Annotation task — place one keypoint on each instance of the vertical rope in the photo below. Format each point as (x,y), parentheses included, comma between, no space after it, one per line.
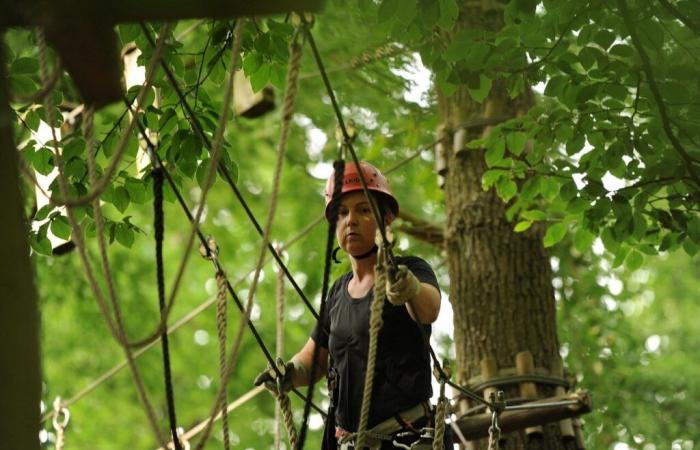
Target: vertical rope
(158,226)
(287,112)
(116,327)
(279,345)
(376,321)
(286,410)
(221,323)
(440,414)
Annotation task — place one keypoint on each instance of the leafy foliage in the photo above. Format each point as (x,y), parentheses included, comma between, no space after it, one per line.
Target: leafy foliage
(593,159)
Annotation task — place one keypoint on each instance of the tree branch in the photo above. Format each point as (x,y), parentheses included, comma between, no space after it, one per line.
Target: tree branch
(421,229)
(646,66)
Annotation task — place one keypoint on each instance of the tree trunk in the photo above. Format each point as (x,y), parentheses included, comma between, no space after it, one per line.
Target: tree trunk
(20,382)
(501,281)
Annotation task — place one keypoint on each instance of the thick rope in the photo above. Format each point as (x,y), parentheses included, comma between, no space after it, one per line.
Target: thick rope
(376,321)
(440,415)
(103,182)
(80,243)
(158,227)
(279,344)
(286,410)
(221,323)
(288,109)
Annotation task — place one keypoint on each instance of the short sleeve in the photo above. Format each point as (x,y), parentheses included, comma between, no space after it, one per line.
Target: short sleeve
(322,330)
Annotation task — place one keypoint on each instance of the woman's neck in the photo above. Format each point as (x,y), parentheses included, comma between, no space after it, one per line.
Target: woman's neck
(363,268)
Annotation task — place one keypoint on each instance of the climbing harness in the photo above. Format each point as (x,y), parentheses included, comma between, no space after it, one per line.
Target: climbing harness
(61,417)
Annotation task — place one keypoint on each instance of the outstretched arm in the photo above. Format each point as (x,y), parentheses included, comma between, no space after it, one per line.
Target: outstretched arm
(303,362)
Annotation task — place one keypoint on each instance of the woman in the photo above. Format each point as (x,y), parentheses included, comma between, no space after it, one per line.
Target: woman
(402,380)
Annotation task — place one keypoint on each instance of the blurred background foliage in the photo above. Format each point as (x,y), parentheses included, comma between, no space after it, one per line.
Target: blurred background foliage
(627,332)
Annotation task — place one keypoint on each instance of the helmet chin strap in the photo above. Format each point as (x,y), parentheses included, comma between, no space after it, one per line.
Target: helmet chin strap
(367,254)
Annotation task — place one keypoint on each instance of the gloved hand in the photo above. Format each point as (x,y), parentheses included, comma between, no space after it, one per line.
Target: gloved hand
(272,382)
(403,288)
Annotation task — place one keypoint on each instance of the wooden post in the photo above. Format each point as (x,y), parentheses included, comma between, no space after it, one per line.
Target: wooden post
(489,370)
(20,388)
(566,426)
(578,434)
(525,365)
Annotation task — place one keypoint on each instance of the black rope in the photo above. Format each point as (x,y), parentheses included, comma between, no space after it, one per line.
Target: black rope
(196,125)
(156,161)
(339,168)
(158,220)
(377,215)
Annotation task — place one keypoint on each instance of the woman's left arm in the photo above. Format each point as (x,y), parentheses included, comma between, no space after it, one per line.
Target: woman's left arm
(425,307)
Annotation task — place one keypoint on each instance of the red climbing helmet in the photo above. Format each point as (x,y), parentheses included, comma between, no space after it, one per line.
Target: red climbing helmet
(376,182)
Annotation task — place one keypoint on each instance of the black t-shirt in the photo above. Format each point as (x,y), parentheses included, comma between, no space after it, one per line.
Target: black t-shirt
(402,368)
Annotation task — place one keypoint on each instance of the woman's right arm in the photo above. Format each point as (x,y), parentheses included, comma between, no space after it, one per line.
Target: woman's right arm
(303,362)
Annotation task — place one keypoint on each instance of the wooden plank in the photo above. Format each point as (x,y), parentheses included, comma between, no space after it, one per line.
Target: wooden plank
(525,365)
(32,12)
(476,427)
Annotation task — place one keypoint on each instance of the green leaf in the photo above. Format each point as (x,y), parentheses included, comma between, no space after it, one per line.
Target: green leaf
(136,189)
(252,62)
(693,229)
(490,177)
(522,226)
(550,188)
(690,247)
(33,120)
(534,214)
(448,14)
(278,74)
(516,142)
(24,66)
(124,235)
(120,198)
(555,86)
(495,151)
(74,148)
(22,85)
(167,122)
(480,92)
(60,227)
(583,239)
(43,161)
(604,38)
(634,260)
(43,212)
(387,10)
(259,79)
(40,243)
(506,189)
(554,234)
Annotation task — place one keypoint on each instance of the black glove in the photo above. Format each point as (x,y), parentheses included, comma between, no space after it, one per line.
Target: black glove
(274,383)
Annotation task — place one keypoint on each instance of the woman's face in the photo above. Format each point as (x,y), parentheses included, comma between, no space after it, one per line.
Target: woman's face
(356,227)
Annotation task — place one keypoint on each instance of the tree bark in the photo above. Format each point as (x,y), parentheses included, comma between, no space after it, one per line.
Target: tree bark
(501,281)
(20,385)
